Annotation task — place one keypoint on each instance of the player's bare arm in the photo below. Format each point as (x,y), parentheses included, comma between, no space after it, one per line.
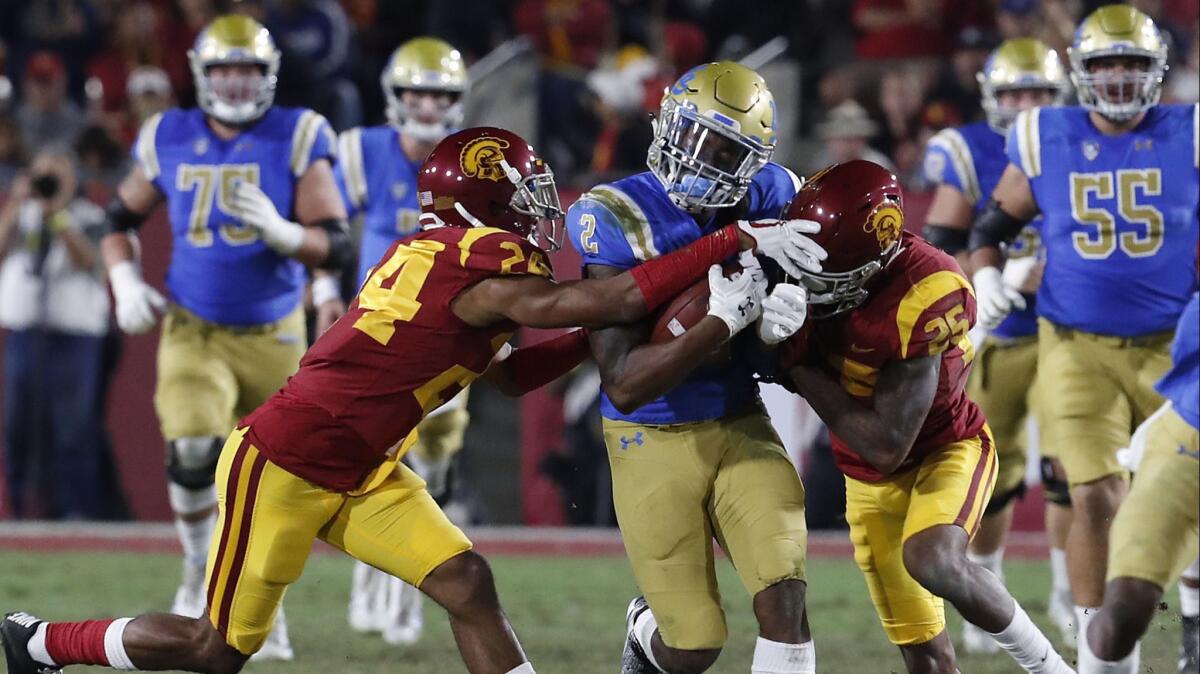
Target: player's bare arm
(635,371)
(883,432)
(1012,206)
(136,198)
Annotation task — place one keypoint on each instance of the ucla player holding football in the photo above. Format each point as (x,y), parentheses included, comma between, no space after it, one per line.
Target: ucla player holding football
(694,456)
(424,84)
(1155,533)
(966,164)
(234,329)
(1117,186)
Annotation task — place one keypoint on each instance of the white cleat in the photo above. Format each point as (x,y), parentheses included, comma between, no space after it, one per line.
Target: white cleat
(975,640)
(403,619)
(190,601)
(1061,612)
(277,646)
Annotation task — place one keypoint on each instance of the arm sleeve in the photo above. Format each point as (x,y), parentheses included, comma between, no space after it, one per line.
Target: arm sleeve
(349,173)
(948,161)
(599,236)
(145,149)
(935,315)
(1023,144)
(312,139)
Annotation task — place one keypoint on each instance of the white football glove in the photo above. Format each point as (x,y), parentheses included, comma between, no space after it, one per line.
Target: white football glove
(783,313)
(256,210)
(138,304)
(1018,270)
(786,242)
(995,298)
(736,301)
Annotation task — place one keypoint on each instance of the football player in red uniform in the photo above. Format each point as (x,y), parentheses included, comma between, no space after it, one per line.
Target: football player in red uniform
(320,460)
(884,362)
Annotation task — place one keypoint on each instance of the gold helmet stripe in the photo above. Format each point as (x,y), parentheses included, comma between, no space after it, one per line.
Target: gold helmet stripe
(1029,145)
(633,221)
(147,148)
(350,158)
(953,143)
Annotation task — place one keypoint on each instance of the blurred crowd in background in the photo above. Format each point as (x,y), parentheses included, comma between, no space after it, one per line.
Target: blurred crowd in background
(874,79)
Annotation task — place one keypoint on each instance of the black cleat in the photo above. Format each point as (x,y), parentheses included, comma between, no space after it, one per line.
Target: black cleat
(1189,650)
(15,631)
(633,658)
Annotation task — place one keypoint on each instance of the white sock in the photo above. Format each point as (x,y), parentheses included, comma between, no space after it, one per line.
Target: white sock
(114,646)
(1028,646)
(1083,618)
(194,536)
(37,646)
(1059,581)
(1189,597)
(643,631)
(992,561)
(773,657)
(1090,664)
(523,668)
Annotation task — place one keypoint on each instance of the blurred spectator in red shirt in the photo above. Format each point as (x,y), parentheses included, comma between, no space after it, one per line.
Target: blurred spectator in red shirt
(141,36)
(46,116)
(899,29)
(69,28)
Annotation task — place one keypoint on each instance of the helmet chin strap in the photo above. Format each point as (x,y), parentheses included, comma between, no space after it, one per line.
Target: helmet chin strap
(475,222)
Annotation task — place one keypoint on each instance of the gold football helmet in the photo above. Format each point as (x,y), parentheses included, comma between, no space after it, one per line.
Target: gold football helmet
(714,131)
(1118,30)
(234,39)
(1023,63)
(425,64)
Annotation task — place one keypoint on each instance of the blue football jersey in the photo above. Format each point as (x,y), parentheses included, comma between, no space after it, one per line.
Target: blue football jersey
(971,159)
(1181,384)
(627,222)
(1119,216)
(219,268)
(378,181)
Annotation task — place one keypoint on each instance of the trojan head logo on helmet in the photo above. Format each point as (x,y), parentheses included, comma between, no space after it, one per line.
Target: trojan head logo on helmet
(490,177)
(860,207)
(230,94)
(1118,88)
(1019,65)
(425,65)
(714,131)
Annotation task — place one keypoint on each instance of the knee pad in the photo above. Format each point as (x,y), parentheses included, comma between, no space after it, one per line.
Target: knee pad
(1000,501)
(192,462)
(1054,481)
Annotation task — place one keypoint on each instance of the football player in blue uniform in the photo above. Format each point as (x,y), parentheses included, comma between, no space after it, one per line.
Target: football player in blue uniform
(1154,535)
(693,455)
(1116,182)
(424,84)
(965,163)
(234,327)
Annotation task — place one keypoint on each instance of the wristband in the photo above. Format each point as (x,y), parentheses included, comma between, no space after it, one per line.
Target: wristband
(664,277)
(535,366)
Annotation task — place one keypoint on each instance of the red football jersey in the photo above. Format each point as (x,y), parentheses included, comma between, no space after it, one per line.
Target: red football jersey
(920,304)
(398,354)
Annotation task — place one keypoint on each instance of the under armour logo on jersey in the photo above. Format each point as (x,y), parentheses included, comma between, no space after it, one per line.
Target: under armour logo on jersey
(1091,149)
(242,146)
(635,440)
(1143,144)
(200,146)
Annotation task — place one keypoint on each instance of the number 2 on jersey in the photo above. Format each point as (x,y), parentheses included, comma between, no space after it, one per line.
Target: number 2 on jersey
(383,306)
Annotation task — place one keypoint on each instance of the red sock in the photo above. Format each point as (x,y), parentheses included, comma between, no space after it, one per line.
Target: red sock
(79,643)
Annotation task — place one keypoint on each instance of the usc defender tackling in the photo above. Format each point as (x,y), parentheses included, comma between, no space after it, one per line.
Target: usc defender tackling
(320,460)
(884,362)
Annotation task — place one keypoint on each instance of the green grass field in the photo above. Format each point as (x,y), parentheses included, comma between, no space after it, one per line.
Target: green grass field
(568,611)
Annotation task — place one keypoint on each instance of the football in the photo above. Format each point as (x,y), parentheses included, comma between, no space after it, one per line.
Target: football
(686,310)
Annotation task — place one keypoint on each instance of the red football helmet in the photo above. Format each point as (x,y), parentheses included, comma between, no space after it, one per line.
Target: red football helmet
(860,207)
(490,177)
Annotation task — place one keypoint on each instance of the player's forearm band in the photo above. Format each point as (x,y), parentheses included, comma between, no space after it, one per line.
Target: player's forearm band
(953,240)
(535,366)
(665,277)
(994,227)
(341,246)
(119,218)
